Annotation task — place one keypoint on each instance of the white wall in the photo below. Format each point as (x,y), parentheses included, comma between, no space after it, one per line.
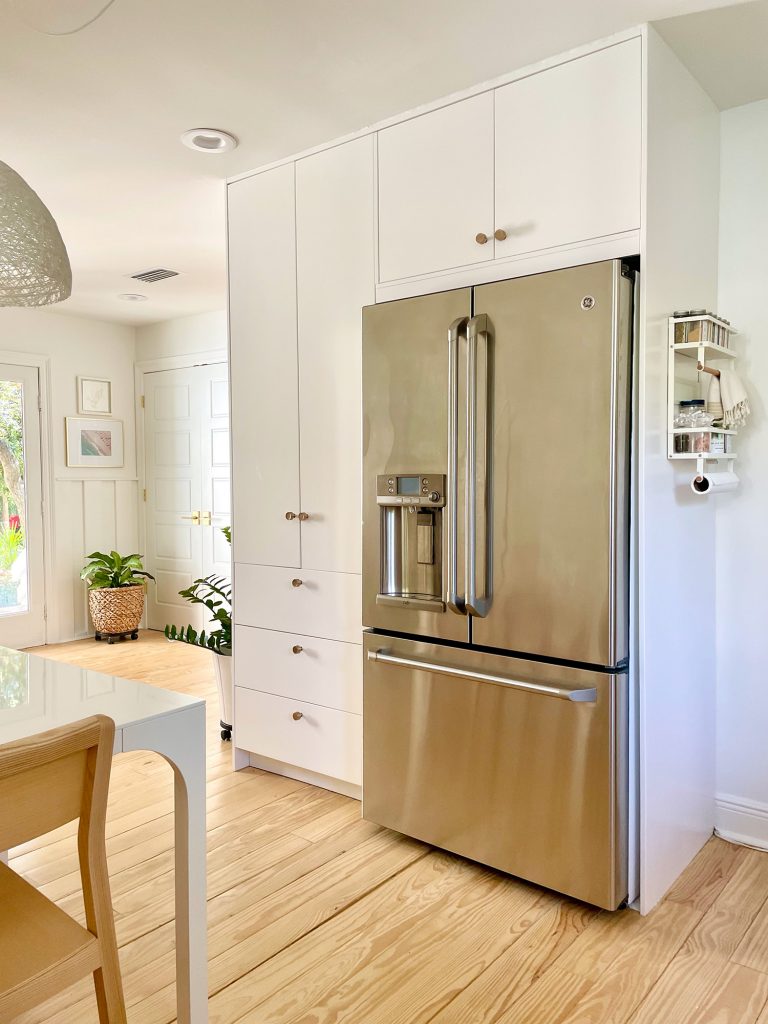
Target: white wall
(205,332)
(742,543)
(91,508)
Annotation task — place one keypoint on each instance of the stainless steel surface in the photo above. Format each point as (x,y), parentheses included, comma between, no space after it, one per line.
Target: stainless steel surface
(479,589)
(405,428)
(560,401)
(455,597)
(588,695)
(512,778)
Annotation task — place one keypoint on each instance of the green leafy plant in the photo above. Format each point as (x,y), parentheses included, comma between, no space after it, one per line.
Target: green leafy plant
(11,545)
(113,570)
(215,594)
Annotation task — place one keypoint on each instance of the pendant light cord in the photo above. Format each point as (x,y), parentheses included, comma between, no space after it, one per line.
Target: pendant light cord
(71,31)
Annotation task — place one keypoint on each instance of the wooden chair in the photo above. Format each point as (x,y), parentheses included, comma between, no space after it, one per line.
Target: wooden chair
(46,781)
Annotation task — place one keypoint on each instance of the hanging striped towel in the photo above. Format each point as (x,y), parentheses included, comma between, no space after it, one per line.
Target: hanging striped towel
(734,398)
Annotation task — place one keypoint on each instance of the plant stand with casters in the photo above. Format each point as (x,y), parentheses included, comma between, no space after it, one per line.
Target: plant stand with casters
(111,638)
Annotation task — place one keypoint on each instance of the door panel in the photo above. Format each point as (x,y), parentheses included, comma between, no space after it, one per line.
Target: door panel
(526,782)
(263,365)
(405,430)
(22,579)
(568,152)
(436,190)
(559,463)
(335,247)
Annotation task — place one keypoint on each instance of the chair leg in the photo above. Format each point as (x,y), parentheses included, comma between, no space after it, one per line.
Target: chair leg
(109,995)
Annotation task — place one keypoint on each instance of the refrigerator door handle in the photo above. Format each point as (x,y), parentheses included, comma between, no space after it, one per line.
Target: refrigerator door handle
(454,599)
(478,466)
(582,696)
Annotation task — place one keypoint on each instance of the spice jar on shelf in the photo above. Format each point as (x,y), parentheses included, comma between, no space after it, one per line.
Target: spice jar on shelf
(683,419)
(681,330)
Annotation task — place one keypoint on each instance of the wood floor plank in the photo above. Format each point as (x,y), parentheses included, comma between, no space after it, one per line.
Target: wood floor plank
(707,875)
(737,998)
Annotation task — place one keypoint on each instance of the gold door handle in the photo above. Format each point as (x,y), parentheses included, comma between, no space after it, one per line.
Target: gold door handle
(500,234)
(481,238)
(303,516)
(290,515)
(297,648)
(206,518)
(297,716)
(195,517)
(296,583)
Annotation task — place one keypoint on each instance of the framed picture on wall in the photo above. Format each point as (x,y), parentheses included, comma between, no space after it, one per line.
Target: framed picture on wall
(94,396)
(94,443)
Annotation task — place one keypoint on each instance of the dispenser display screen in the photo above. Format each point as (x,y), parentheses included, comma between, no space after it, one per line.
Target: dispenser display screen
(408,485)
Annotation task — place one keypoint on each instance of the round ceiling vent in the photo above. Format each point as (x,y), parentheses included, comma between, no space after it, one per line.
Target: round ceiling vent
(209,140)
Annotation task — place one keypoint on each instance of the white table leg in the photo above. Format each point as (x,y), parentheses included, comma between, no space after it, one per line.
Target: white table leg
(180,738)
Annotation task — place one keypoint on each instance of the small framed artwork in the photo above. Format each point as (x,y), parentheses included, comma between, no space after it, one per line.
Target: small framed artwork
(94,443)
(94,396)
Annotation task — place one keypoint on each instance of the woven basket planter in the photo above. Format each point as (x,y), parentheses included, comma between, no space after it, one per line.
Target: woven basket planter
(116,609)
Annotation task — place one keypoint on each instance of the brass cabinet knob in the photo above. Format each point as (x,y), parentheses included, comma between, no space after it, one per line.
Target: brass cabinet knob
(303,516)
(481,238)
(297,648)
(296,583)
(499,234)
(297,715)
(290,515)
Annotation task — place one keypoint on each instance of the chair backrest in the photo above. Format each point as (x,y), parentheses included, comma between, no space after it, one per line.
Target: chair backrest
(54,777)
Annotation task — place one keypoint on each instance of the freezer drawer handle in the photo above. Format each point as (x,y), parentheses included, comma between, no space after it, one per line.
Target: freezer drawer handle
(587,696)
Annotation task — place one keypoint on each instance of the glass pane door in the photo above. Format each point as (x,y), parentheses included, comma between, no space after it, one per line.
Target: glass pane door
(22,620)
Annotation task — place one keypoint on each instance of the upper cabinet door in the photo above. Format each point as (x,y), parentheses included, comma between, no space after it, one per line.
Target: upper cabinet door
(568,152)
(335,254)
(263,368)
(436,190)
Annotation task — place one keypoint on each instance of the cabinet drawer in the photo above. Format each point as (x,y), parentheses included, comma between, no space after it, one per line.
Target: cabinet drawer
(327,672)
(324,604)
(322,740)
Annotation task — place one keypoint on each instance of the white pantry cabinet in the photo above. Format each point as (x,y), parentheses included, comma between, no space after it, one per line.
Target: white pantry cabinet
(551,160)
(568,152)
(436,190)
(263,367)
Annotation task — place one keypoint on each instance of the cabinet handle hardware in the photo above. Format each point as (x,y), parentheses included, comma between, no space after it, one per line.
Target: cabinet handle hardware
(297,715)
(297,648)
(481,238)
(500,234)
(296,583)
(303,516)
(290,515)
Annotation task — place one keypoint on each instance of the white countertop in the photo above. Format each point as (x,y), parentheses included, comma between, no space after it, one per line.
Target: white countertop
(37,694)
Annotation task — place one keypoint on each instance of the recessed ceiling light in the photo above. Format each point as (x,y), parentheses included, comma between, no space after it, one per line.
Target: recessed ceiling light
(132,297)
(209,140)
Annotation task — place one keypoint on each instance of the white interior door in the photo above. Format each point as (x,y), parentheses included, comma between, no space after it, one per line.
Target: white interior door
(186,438)
(22,579)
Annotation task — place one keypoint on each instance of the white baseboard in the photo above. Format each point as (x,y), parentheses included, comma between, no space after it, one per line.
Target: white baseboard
(742,821)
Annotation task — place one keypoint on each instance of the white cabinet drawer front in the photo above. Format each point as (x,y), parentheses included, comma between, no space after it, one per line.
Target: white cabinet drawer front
(323,604)
(327,672)
(306,735)
(436,190)
(568,152)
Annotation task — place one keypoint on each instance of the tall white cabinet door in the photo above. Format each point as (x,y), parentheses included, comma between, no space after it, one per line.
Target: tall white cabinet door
(436,190)
(263,368)
(568,152)
(335,247)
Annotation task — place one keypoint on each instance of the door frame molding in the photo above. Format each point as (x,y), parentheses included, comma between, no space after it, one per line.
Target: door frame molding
(42,364)
(180,362)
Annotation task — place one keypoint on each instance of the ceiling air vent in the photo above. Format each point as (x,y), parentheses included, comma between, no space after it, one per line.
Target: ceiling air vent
(151,276)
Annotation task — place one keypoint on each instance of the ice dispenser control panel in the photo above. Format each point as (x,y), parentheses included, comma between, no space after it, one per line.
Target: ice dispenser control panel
(426,490)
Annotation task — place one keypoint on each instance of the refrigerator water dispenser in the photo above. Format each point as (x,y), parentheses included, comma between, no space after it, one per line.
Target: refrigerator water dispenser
(411,540)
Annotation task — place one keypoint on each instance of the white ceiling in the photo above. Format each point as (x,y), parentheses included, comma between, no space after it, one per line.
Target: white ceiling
(93,120)
(726,50)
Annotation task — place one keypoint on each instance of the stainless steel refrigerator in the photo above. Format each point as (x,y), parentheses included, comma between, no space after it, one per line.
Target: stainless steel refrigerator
(496,447)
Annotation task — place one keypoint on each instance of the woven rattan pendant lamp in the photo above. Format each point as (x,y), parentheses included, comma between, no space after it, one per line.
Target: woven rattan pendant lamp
(34,265)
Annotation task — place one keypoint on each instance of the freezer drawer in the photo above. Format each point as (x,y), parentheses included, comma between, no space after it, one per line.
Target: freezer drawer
(519,765)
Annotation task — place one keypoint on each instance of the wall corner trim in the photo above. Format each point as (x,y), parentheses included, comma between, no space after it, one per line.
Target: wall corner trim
(742,821)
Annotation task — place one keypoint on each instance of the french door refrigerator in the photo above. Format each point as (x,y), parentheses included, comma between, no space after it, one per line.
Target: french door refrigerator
(496,447)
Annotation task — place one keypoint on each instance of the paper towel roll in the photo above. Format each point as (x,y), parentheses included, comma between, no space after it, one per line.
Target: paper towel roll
(714,483)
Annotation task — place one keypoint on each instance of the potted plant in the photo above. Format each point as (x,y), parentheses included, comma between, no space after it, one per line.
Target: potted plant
(116,585)
(215,594)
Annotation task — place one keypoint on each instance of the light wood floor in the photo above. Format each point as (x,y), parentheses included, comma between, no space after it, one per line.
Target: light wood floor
(317,917)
